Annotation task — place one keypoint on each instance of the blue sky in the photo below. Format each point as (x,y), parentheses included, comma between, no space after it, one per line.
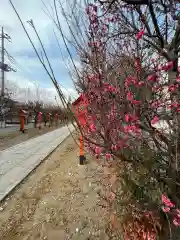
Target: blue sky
(30,72)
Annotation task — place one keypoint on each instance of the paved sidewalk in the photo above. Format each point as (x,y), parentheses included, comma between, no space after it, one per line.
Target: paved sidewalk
(18,161)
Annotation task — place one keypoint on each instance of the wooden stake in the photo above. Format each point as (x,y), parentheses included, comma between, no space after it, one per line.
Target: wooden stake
(81,151)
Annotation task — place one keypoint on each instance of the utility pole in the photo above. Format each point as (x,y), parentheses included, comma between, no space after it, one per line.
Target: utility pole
(3,66)
(2,59)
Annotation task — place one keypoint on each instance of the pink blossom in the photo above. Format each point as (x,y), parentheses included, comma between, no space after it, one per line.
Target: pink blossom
(140,34)
(136,102)
(127,117)
(127,129)
(178,212)
(175,105)
(167,66)
(141,83)
(130,117)
(108,156)
(114,147)
(129,96)
(170,65)
(138,65)
(130,80)
(152,77)
(176,222)
(167,201)
(166,209)
(98,150)
(130,128)
(92,127)
(172,88)
(178,79)
(156,104)
(112,89)
(154,120)
(91,78)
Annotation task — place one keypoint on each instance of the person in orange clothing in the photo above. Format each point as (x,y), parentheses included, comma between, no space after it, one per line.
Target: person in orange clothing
(22,120)
(45,119)
(81,151)
(49,119)
(56,119)
(39,120)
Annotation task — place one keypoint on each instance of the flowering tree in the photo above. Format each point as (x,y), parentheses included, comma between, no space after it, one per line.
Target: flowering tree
(157,21)
(130,80)
(129,77)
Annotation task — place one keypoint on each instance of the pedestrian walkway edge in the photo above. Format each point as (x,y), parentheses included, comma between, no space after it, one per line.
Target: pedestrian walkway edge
(42,159)
(28,140)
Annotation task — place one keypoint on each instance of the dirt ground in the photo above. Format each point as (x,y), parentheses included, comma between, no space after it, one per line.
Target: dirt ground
(11,139)
(57,201)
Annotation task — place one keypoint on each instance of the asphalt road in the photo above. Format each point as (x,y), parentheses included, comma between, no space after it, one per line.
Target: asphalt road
(14,127)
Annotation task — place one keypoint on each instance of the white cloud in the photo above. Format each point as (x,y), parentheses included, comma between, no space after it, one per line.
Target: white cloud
(31,68)
(25,88)
(28,68)
(34,92)
(29,9)
(51,92)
